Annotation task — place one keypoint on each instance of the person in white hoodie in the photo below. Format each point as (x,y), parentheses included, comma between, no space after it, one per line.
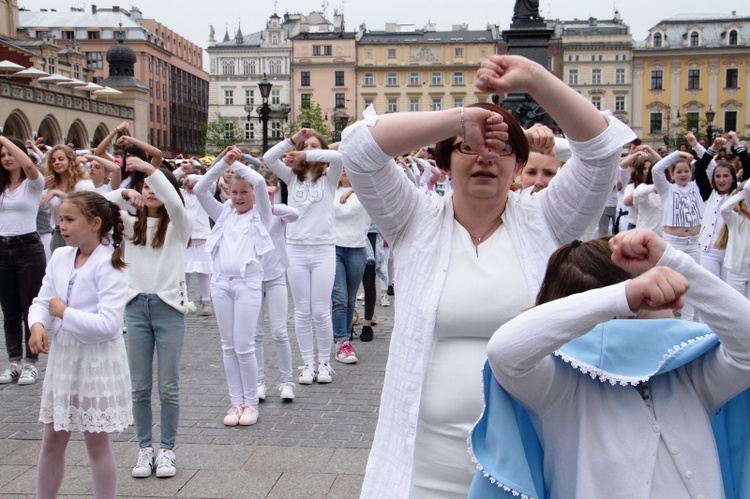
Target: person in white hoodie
(734,238)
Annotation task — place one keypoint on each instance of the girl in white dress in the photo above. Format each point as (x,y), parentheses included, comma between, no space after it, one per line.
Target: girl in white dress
(81,304)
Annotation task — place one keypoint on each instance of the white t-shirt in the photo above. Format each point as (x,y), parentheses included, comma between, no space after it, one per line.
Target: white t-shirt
(18,208)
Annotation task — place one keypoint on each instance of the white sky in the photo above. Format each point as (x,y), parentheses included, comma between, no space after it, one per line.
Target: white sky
(190,18)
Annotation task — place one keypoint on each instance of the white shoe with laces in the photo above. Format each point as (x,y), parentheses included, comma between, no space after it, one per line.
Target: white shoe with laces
(384,301)
(262,391)
(28,375)
(307,374)
(165,464)
(144,465)
(286,391)
(325,373)
(11,373)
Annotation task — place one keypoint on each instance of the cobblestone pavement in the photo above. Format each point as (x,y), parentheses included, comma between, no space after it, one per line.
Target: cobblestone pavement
(316,446)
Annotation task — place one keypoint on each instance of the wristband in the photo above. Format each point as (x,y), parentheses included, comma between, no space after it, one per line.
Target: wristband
(291,141)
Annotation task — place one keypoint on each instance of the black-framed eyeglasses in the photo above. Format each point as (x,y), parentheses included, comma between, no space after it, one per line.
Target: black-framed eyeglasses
(464,148)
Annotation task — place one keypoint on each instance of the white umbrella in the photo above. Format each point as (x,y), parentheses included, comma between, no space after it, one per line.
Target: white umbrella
(31,72)
(9,67)
(72,83)
(91,86)
(106,92)
(53,78)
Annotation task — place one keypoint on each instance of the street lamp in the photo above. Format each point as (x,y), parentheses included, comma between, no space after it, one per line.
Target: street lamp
(710,115)
(264,111)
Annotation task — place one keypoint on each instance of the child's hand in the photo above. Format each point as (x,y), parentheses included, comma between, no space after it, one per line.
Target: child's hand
(57,307)
(49,182)
(637,250)
(293,158)
(38,341)
(135,198)
(136,164)
(659,288)
(690,137)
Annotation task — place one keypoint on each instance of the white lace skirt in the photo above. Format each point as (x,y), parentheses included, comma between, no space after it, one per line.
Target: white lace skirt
(197,261)
(86,386)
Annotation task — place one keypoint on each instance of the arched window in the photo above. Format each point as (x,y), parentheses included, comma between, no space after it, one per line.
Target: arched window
(274,39)
(657,40)
(694,39)
(252,67)
(246,67)
(733,37)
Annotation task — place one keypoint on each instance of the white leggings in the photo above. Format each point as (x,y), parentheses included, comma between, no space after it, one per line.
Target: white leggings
(713,261)
(311,271)
(237,304)
(741,280)
(276,298)
(689,246)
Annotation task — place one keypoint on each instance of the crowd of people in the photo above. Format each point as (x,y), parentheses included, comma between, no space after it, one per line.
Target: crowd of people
(508,246)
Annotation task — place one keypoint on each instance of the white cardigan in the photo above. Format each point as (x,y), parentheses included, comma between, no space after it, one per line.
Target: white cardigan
(419,229)
(97,301)
(605,441)
(739,230)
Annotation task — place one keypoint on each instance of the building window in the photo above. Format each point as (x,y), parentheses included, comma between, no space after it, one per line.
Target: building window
(619,103)
(249,130)
(458,78)
(317,50)
(51,65)
(150,63)
(151,112)
(730,120)
(246,67)
(94,60)
(692,121)
(229,97)
(694,79)
(40,35)
(328,50)
(482,99)
(164,90)
(340,100)
(572,77)
(657,40)
(657,79)
(164,111)
(458,102)
(392,79)
(414,78)
(617,57)
(732,41)
(437,104)
(158,90)
(158,114)
(94,35)
(414,104)
(227,67)
(576,58)
(228,128)
(655,123)
(732,80)
(275,130)
(368,102)
(437,78)
(339,78)
(369,80)
(305,79)
(597,102)
(596,76)
(392,106)
(304,100)
(250,97)
(275,66)
(694,38)
(71,35)
(459,52)
(151,84)
(275,96)
(620,76)
(391,53)
(322,49)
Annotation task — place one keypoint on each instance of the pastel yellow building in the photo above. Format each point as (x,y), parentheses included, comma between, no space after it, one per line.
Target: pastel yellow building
(688,65)
(409,69)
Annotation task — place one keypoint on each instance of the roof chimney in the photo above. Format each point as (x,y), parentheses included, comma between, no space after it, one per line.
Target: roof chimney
(93,8)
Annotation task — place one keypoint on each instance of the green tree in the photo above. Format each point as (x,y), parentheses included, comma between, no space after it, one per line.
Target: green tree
(311,116)
(222,133)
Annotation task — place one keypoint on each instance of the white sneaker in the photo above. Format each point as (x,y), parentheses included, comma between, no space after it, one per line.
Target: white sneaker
(262,391)
(384,301)
(206,309)
(361,297)
(28,375)
(144,466)
(325,373)
(307,374)
(11,373)
(165,464)
(286,390)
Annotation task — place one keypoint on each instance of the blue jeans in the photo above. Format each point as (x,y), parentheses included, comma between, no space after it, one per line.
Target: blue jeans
(154,324)
(350,267)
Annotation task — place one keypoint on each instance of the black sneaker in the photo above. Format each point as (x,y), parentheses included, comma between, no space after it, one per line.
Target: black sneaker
(390,291)
(366,334)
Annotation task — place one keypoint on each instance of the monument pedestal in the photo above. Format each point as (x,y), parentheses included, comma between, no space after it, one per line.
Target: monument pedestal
(528,38)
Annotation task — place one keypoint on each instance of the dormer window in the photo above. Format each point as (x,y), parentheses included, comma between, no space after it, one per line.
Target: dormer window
(694,38)
(657,40)
(733,37)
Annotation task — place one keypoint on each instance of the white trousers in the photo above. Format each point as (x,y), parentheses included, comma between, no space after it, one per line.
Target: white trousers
(741,280)
(713,261)
(237,303)
(276,299)
(311,272)
(689,246)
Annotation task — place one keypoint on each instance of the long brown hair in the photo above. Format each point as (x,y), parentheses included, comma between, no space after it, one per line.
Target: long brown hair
(140,228)
(723,239)
(317,169)
(75,171)
(578,267)
(92,205)
(5,174)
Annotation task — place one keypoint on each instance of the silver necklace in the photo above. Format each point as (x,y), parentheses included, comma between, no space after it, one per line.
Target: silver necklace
(479,239)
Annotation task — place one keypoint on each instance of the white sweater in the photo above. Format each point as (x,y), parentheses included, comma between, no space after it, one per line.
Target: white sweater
(682,205)
(419,228)
(604,441)
(739,230)
(159,271)
(313,200)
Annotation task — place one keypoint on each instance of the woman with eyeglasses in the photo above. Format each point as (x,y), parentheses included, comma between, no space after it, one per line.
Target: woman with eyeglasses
(468,262)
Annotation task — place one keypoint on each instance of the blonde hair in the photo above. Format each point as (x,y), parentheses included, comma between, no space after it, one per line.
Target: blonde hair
(75,171)
(723,240)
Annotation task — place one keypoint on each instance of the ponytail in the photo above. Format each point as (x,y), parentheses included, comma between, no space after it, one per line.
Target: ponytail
(118,230)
